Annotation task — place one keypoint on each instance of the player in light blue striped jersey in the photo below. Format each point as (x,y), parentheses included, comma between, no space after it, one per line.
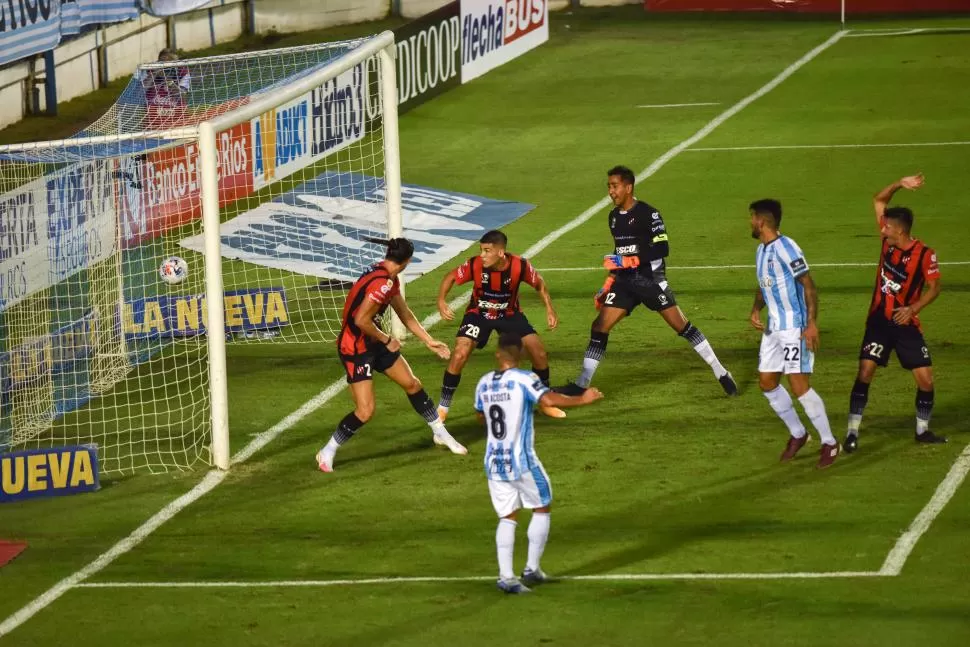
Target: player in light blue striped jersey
(790,338)
(505,400)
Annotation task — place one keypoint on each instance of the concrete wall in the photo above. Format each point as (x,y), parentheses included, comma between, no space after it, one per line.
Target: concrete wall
(303,15)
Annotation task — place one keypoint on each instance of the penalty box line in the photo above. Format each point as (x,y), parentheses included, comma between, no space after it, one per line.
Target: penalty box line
(782,147)
(214,478)
(608,577)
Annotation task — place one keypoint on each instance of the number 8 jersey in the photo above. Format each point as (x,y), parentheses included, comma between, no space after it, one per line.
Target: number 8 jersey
(507,399)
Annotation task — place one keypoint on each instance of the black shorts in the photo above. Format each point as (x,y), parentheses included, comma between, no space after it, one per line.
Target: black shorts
(360,368)
(479,329)
(630,291)
(883,337)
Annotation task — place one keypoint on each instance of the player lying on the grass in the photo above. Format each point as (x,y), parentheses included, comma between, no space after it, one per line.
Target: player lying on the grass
(789,340)
(908,266)
(365,349)
(494,306)
(504,400)
(638,275)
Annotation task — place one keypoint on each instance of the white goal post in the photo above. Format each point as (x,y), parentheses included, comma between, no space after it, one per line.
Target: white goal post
(233,197)
(381,46)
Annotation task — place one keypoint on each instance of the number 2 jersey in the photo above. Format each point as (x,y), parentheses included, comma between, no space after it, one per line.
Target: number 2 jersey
(507,399)
(495,294)
(901,277)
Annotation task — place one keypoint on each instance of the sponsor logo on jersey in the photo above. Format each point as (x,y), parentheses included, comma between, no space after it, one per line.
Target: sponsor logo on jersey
(889,286)
(489,305)
(628,249)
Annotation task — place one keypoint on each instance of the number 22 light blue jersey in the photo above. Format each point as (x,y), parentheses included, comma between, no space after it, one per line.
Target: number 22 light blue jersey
(780,264)
(507,399)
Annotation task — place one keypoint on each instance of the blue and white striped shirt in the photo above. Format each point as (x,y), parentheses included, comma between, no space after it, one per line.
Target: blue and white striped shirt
(780,263)
(507,399)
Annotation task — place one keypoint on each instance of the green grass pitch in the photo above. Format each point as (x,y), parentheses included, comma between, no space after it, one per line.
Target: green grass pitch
(666,475)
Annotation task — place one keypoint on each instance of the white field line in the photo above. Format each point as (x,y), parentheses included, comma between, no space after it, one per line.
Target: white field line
(213,479)
(679,105)
(729,267)
(608,577)
(870,33)
(717,149)
(944,492)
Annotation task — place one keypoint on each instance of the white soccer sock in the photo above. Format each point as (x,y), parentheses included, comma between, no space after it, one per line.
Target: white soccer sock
(922,426)
(707,354)
(438,427)
(589,368)
(331,446)
(781,402)
(815,410)
(505,543)
(855,420)
(538,535)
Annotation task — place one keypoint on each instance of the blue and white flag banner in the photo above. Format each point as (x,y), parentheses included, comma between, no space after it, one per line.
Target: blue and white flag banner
(96,11)
(29,27)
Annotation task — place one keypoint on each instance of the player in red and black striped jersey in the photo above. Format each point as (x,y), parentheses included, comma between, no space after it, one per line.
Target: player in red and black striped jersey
(364,348)
(907,281)
(494,305)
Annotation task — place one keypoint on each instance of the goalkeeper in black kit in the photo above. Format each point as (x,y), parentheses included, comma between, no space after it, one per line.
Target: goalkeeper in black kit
(638,276)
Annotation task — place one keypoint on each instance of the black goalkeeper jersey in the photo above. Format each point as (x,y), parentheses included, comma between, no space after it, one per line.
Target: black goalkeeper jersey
(640,232)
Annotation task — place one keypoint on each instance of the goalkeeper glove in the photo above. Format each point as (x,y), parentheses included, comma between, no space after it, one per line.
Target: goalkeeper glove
(607,285)
(617,262)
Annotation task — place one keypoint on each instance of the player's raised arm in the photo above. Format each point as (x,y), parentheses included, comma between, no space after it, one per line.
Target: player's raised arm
(411,322)
(881,200)
(810,331)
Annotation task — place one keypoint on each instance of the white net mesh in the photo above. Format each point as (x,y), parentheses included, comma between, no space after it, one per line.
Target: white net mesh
(96,345)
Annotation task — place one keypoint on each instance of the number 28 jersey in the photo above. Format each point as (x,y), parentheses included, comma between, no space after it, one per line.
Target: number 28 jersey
(507,399)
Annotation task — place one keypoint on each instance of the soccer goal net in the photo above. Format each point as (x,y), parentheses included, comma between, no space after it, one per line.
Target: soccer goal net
(221,201)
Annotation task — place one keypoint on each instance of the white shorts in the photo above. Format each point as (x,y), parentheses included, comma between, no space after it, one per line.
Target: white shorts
(532,490)
(784,351)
